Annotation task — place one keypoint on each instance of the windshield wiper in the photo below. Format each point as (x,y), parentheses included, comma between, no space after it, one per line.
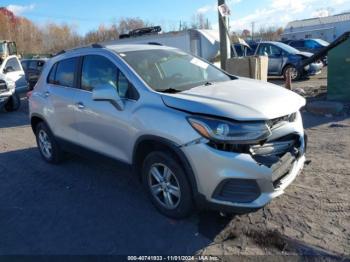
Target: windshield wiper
(208,83)
(169,90)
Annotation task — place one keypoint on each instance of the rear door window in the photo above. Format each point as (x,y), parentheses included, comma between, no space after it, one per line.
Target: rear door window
(269,50)
(65,72)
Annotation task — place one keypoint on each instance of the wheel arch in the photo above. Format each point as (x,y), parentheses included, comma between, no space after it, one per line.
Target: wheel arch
(35,119)
(285,66)
(148,143)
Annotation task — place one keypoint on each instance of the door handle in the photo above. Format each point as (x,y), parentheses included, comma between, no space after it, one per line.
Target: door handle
(80,105)
(46,94)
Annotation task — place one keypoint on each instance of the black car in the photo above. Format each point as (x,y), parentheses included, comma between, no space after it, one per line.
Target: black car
(309,45)
(32,69)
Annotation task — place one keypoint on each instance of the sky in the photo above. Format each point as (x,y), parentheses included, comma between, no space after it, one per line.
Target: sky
(89,14)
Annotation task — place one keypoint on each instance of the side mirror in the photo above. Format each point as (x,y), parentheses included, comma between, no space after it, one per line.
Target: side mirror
(107,92)
(3,85)
(8,69)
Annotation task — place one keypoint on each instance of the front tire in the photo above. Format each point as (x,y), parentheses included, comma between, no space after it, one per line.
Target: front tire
(13,104)
(295,74)
(47,144)
(166,184)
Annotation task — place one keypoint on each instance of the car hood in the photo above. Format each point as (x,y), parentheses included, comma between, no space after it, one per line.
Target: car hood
(242,99)
(305,54)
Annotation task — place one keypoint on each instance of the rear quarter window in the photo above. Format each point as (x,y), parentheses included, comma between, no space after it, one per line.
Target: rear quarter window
(51,77)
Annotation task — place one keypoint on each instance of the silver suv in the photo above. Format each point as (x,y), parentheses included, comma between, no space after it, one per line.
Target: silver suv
(195,135)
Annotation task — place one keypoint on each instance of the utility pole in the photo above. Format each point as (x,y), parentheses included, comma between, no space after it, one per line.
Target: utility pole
(224,38)
(253,25)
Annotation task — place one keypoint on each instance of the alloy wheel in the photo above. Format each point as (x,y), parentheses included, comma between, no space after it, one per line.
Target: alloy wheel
(45,144)
(164,186)
(293,73)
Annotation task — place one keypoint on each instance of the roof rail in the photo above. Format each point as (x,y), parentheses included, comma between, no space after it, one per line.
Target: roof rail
(97,45)
(154,43)
(59,53)
(94,45)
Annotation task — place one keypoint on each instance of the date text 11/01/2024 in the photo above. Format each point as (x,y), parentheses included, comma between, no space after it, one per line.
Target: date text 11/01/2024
(172,258)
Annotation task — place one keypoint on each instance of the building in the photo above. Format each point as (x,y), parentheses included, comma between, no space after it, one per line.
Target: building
(327,28)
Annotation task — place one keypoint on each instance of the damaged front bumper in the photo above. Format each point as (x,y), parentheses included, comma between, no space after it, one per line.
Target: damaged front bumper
(314,68)
(244,182)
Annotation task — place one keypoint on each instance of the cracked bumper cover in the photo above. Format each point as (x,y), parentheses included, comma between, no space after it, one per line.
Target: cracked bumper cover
(211,167)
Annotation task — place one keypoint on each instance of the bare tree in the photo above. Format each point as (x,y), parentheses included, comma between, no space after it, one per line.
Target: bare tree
(269,33)
(127,24)
(199,21)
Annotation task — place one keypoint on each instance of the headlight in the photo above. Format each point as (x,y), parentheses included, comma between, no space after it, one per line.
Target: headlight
(230,132)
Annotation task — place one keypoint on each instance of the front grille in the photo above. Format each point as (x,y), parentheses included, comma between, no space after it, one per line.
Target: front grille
(277,147)
(229,147)
(237,190)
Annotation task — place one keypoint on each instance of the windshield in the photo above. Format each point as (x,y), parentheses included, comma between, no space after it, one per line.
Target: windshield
(322,42)
(172,70)
(287,48)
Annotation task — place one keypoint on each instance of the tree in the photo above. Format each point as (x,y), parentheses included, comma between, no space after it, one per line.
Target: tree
(199,21)
(245,34)
(269,33)
(127,24)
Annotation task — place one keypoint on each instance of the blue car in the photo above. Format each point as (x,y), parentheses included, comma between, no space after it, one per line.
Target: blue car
(309,45)
(281,58)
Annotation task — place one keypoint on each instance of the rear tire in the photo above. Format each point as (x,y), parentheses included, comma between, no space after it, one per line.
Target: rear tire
(13,104)
(166,184)
(47,144)
(295,74)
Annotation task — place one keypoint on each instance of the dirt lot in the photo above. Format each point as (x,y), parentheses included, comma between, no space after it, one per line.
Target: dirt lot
(315,210)
(312,87)
(313,216)
(85,206)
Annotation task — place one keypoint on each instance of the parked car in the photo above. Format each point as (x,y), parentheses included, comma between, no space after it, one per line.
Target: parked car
(309,45)
(32,69)
(281,58)
(195,135)
(12,83)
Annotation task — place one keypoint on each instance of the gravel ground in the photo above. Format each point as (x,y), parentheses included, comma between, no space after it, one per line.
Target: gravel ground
(83,206)
(313,216)
(86,206)
(312,87)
